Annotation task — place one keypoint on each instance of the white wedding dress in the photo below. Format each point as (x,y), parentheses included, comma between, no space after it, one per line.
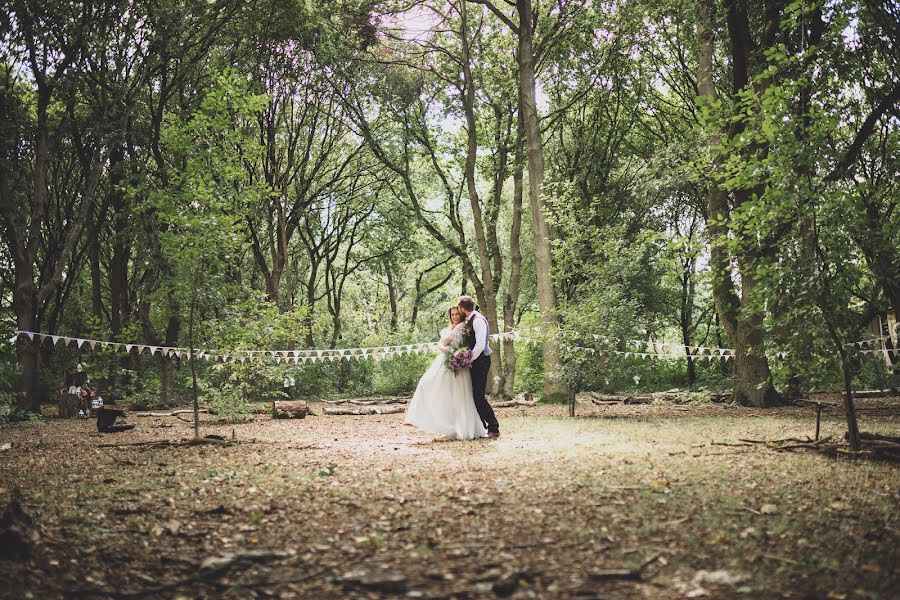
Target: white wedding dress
(443,401)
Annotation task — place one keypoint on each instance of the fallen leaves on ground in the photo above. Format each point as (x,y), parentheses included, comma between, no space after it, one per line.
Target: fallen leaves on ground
(360,506)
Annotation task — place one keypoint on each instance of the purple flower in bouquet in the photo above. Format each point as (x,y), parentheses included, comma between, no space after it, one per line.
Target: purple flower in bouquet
(459,360)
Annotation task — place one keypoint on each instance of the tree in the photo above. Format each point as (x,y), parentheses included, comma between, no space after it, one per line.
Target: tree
(530,53)
(49,41)
(199,209)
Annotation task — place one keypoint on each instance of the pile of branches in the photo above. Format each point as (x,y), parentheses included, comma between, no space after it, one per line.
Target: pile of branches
(874,446)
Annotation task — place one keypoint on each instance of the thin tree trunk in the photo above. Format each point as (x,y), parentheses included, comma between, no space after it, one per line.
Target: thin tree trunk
(553,381)
(26,351)
(310,303)
(515,263)
(194,368)
(487,290)
(392,297)
(687,309)
(724,295)
(96,276)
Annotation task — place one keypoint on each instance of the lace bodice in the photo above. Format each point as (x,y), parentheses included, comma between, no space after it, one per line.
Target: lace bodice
(455,334)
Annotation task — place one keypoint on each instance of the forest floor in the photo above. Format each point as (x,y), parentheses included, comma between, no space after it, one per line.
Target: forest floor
(620,502)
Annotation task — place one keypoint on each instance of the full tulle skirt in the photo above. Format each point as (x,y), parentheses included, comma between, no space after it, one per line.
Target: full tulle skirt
(443,403)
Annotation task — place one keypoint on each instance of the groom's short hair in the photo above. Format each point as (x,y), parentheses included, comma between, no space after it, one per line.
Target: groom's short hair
(467,303)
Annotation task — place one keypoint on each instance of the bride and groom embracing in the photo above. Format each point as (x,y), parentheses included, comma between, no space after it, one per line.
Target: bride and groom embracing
(448,401)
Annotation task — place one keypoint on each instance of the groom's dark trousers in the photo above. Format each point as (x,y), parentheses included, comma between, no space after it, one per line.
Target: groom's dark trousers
(480,369)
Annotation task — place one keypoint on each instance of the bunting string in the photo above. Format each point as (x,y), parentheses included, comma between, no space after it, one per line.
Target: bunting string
(643,349)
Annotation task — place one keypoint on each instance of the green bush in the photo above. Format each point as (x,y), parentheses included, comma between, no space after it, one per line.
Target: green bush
(529,368)
(401,374)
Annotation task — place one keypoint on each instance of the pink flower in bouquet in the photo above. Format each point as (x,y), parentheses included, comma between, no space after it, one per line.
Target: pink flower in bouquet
(459,360)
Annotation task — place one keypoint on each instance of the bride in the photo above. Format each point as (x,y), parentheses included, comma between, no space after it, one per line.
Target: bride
(443,401)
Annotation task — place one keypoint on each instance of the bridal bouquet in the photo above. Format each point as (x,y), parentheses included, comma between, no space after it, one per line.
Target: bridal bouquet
(459,359)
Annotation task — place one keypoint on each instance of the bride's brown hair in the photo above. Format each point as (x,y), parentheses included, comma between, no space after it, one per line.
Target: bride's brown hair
(450,315)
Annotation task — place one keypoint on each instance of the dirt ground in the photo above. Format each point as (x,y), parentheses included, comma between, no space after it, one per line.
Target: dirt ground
(620,502)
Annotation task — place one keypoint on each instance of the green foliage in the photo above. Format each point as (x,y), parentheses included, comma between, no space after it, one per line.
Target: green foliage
(401,374)
(226,140)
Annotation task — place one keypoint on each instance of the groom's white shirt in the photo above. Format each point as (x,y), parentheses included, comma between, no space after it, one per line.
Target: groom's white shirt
(479,326)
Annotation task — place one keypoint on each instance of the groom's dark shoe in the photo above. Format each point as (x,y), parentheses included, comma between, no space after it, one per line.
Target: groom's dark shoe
(492,434)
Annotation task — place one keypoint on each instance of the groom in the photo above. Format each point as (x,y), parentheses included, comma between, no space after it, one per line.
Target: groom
(481,362)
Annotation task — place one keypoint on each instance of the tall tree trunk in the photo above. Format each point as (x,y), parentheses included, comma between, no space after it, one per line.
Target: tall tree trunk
(487,290)
(310,304)
(686,316)
(720,342)
(515,263)
(336,323)
(26,350)
(553,381)
(724,295)
(752,379)
(96,276)
(194,387)
(392,297)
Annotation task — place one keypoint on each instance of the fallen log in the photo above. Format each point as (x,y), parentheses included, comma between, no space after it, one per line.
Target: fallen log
(626,574)
(672,396)
(366,410)
(173,413)
(615,399)
(210,570)
(871,393)
(877,437)
(371,401)
(289,409)
(512,403)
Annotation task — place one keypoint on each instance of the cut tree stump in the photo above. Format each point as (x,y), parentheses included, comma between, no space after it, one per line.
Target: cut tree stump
(106,420)
(70,404)
(18,536)
(289,409)
(368,410)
